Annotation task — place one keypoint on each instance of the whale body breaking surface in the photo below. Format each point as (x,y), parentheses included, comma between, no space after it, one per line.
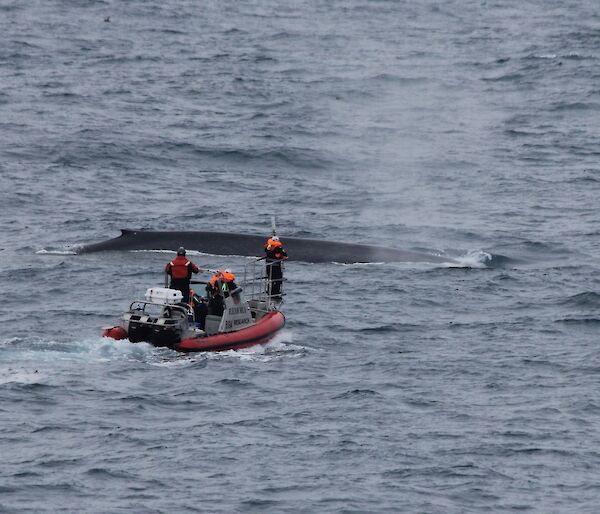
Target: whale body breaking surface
(226,243)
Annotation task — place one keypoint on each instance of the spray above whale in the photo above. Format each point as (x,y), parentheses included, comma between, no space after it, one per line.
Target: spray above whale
(226,243)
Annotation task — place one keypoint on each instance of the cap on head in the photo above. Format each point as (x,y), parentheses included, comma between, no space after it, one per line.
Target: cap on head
(181,251)
(275,238)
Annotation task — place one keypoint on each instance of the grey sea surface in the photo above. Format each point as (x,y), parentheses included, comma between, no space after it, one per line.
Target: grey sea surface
(464,128)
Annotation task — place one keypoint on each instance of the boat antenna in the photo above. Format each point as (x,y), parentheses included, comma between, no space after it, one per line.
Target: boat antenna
(273,228)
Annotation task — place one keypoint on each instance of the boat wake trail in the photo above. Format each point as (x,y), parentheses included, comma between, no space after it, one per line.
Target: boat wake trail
(100,349)
(280,346)
(44,353)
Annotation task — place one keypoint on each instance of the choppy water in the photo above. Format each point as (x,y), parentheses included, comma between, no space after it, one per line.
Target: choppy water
(467,127)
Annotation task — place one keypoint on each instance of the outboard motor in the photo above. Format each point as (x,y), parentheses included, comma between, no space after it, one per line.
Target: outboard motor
(168,329)
(165,335)
(138,332)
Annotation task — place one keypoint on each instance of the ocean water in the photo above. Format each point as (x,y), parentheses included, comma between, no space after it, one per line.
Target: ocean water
(464,127)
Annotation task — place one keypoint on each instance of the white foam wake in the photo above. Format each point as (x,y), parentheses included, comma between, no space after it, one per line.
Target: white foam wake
(473,259)
(45,251)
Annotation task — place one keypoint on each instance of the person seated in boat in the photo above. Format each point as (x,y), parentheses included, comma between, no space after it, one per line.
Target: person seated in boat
(180,271)
(226,279)
(274,256)
(213,293)
(228,282)
(199,307)
(219,287)
(212,287)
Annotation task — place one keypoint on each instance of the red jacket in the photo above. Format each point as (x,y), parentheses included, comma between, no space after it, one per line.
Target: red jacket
(180,267)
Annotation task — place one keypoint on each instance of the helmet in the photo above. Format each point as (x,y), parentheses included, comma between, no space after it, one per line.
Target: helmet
(274,238)
(181,251)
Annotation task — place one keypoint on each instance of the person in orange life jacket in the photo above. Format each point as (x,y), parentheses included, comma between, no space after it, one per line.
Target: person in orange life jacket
(228,282)
(275,254)
(212,288)
(216,292)
(180,270)
(227,279)
(215,300)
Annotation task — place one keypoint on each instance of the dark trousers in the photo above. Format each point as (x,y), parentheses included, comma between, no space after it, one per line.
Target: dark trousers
(183,285)
(216,305)
(275,276)
(200,312)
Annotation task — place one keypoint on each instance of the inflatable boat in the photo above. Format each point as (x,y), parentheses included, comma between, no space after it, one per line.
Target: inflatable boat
(163,320)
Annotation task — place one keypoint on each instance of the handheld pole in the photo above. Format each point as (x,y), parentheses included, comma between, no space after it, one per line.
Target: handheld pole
(273,228)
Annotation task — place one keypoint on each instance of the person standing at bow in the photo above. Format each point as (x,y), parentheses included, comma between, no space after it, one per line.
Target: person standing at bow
(275,255)
(180,270)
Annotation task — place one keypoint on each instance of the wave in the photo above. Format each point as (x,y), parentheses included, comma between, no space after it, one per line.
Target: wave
(576,56)
(357,393)
(543,56)
(585,299)
(508,77)
(519,133)
(305,158)
(574,106)
(480,259)
(543,247)
(579,321)
(20,376)
(475,259)
(48,251)
(390,327)
(389,77)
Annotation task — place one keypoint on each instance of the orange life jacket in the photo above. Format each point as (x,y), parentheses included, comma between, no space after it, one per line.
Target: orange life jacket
(274,250)
(228,276)
(273,244)
(213,281)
